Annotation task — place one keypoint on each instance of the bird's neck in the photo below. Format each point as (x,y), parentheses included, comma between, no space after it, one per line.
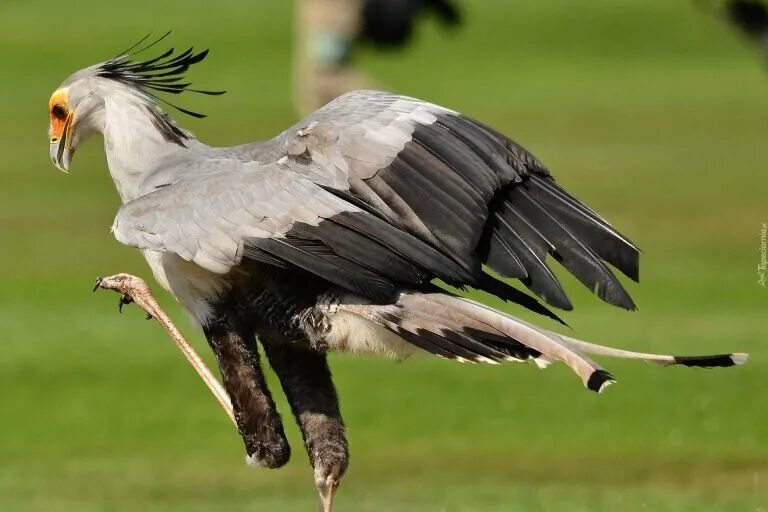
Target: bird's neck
(135,144)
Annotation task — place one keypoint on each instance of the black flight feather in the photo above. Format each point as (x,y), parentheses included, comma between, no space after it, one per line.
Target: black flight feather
(570,251)
(592,230)
(459,157)
(489,149)
(363,251)
(313,256)
(531,248)
(405,245)
(498,255)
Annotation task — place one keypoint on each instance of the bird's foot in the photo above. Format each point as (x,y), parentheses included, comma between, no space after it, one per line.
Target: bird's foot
(330,459)
(273,451)
(130,288)
(135,289)
(327,482)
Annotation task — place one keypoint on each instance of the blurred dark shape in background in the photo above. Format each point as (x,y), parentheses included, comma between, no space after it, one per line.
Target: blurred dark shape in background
(328,31)
(324,32)
(389,23)
(750,16)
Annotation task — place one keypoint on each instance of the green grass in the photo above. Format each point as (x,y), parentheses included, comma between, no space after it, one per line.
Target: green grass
(651,111)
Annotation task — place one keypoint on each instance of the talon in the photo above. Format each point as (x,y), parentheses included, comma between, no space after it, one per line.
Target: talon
(124,299)
(98,283)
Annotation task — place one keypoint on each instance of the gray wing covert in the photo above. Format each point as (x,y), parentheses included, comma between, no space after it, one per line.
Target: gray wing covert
(270,214)
(205,220)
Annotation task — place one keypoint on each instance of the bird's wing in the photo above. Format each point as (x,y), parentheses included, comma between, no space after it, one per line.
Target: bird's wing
(271,214)
(460,186)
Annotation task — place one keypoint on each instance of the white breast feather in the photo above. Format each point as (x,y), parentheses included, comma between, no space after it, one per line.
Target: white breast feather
(193,286)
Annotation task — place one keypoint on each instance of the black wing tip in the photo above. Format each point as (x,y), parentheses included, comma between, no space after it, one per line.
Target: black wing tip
(631,266)
(713,361)
(624,303)
(587,226)
(509,293)
(633,272)
(599,380)
(559,301)
(611,291)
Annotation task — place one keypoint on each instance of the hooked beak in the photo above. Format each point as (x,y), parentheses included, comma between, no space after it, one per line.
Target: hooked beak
(61,150)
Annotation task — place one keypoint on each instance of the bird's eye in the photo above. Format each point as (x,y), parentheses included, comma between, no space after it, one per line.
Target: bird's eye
(59,112)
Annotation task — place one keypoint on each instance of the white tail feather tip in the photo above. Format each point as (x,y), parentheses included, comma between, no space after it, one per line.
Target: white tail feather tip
(739,358)
(605,385)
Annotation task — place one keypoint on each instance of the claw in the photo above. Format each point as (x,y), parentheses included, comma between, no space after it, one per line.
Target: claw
(124,299)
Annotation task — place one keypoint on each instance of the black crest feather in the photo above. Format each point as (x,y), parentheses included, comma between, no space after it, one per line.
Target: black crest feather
(161,74)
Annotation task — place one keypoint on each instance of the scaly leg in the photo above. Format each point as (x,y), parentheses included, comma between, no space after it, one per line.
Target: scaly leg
(135,289)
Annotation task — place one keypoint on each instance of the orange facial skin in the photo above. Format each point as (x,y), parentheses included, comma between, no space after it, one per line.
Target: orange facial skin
(61,117)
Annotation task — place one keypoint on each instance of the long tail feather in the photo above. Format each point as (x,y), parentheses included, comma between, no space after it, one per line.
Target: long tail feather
(450,319)
(549,345)
(709,361)
(464,330)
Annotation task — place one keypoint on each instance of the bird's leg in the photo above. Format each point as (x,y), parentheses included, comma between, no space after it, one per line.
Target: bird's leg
(257,418)
(254,415)
(135,289)
(306,380)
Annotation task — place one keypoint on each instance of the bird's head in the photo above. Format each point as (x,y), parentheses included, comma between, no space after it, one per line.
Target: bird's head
(77,107)
(76,111)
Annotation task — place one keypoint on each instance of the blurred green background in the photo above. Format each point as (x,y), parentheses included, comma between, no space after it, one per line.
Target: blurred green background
(653,112)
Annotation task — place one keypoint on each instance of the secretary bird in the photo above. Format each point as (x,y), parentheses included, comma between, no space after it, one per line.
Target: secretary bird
(330,237)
